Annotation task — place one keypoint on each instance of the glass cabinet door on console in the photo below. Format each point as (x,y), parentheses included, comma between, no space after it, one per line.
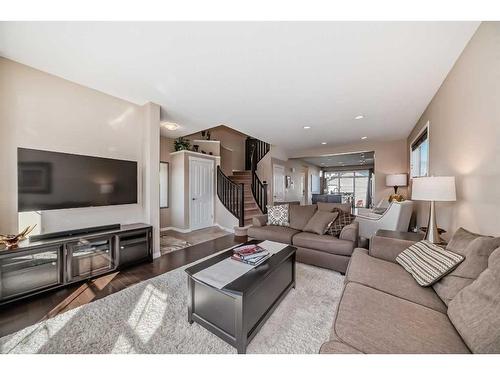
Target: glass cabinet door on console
(27,271)
(89,257)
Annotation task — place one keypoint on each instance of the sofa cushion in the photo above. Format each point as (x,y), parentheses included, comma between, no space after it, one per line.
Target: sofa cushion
(320,222)
(427,262)
(259,220)
(337,347)
(476,261)
(461,239)
(372,321)
(278,215)
(300,215)
(324,243)
(273,233)
(390,278)
(350,232)
(322,259)
(475,311)
(324,206)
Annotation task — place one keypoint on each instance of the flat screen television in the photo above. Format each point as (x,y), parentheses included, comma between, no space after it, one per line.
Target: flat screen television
(53,180)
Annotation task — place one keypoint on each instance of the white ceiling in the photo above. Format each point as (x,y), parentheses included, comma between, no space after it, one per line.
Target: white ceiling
(265,79)
(342,160)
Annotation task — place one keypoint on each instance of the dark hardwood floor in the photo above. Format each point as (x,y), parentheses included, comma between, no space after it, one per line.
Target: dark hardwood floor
(18,315)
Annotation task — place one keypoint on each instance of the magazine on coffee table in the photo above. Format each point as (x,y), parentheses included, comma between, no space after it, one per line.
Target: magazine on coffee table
(250,254)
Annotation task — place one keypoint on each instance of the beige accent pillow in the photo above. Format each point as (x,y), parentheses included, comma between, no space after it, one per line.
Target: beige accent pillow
(475,311)
(330,207)
(476,261)
(461,239)
(320,222)
(300,215)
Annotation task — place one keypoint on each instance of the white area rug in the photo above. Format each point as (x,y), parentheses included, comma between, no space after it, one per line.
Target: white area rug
(151,317)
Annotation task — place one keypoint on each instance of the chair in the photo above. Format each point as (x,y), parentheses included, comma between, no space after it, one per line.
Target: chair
(376,211)
(396,217)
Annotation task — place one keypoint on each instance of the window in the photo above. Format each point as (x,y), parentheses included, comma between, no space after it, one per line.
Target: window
(353,184)
(420,155)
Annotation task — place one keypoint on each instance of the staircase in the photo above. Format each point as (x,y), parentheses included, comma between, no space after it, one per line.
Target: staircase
(243,193)
(250,206)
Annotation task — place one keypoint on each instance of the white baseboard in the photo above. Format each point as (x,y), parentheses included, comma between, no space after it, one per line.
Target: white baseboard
(182,230)
(224,228)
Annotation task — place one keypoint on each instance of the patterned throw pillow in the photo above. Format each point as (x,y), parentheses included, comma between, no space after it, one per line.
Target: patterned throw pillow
(340,222)
(278,215)
(428,263)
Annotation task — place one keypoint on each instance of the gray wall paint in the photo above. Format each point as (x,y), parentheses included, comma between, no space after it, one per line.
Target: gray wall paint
(464,136)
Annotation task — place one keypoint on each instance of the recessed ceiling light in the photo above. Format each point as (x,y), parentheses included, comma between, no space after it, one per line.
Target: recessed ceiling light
(359,117)
(170,125)
(307,127)
(364,137)
(323,143)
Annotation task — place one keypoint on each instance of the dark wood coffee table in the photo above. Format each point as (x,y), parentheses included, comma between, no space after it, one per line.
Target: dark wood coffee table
(236,312)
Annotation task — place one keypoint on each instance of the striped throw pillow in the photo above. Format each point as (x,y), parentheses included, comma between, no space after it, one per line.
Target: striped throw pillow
(428,263)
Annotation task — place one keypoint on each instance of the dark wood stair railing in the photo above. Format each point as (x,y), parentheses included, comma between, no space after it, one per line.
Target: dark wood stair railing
(231,195)
(259,188)
(259,191)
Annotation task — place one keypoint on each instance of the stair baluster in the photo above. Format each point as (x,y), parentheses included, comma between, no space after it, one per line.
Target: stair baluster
(231,195)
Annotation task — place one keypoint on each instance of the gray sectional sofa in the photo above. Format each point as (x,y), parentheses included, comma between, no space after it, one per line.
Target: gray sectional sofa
(384,310)
(320,250)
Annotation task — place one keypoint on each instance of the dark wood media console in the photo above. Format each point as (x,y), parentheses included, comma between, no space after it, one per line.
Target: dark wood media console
(36,267)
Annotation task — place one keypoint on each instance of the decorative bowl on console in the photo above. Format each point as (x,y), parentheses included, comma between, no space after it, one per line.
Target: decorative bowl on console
(12,240)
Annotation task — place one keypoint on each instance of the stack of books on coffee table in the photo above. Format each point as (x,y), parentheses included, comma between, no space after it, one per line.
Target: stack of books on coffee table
(250,254)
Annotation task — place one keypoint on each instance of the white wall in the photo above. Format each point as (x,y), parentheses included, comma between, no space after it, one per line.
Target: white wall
(151,167)
(42,111)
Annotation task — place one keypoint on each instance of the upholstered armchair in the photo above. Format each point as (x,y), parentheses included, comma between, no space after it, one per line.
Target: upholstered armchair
(376,211)
(396,217)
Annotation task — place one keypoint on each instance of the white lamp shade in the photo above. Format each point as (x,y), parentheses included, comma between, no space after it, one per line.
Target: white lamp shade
(396,179)
(434,189)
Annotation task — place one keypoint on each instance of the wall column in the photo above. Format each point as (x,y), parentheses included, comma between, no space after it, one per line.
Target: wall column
(151,175)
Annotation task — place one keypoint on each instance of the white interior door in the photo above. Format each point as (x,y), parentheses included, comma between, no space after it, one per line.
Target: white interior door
(201,193)
(278,183)
(302,188)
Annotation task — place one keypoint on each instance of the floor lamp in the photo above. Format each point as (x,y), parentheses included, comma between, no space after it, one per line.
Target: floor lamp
(433,189)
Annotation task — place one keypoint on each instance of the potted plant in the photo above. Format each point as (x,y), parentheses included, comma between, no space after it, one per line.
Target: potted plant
(181,144)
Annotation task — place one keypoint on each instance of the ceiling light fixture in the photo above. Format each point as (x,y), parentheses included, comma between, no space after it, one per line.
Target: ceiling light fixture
(323,143)
(170,125)
(364,137)
(307,127)
(359,117)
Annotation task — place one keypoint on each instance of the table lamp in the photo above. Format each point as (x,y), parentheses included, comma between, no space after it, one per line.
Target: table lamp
(396,180)
(433,189)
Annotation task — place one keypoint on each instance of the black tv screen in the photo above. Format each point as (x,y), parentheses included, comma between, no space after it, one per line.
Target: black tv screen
(54,180)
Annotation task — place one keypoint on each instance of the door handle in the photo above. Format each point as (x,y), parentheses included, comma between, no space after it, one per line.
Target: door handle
(193,199)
